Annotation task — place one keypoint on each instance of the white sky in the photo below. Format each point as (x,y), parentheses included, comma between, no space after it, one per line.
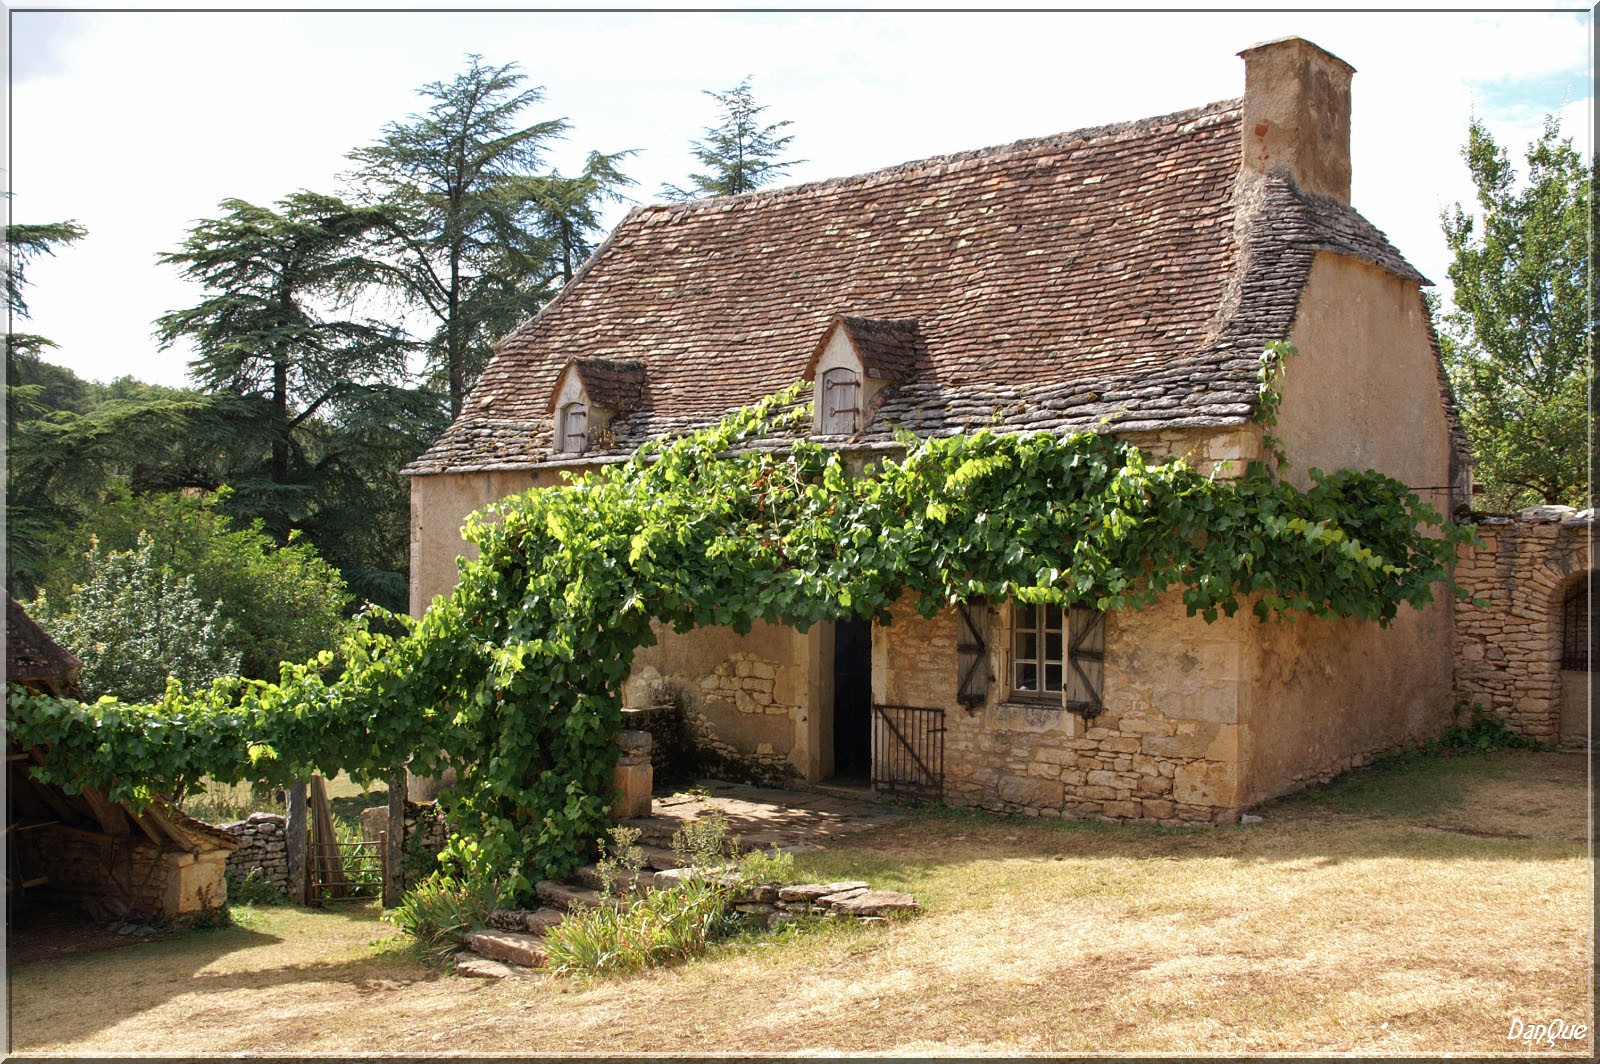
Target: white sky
(137,123)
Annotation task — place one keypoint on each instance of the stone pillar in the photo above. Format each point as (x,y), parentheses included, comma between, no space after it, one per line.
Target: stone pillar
(294,840)
(394,842)
(633,777)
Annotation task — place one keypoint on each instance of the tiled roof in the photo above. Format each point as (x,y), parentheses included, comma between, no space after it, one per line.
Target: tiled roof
(889,350)
(1056,283)
(614,383)
(33,659)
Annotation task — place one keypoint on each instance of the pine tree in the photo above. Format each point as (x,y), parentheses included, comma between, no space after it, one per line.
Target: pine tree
(740,154)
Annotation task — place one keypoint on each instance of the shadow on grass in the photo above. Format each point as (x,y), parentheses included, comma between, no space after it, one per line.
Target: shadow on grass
(143,977)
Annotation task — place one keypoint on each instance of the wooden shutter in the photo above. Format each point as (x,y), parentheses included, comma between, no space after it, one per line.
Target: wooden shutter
(841,392)
(1086,661)
(972,652)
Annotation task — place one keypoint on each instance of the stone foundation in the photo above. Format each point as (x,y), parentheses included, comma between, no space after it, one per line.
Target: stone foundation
(1508,639)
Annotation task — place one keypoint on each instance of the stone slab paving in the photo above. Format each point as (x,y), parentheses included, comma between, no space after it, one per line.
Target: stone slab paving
(792,820)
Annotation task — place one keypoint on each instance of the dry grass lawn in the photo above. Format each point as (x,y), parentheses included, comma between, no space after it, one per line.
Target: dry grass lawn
(1415,910)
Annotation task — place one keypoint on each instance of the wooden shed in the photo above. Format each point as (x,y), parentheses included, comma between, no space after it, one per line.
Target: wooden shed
(155,864)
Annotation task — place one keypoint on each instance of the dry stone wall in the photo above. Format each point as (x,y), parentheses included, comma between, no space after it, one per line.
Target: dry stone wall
(261,848)
(1508,639)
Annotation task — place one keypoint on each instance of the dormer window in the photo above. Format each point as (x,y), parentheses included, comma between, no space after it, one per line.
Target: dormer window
(573,428)
(841,401)
(855,368)
(591,399)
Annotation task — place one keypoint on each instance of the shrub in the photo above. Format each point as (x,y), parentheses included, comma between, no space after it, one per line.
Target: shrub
(659,927)
(703,843)
(135,625)
(441,910)
(1480,731)
(772,867)
(619,860)
(255,889)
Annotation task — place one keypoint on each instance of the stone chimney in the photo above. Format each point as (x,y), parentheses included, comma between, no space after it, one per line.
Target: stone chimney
(1297,114)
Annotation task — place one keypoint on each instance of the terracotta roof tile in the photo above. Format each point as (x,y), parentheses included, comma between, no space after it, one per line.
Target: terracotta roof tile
(1109,275)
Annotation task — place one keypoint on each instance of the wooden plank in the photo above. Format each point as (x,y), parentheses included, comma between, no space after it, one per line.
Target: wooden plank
(112,817)
(149,827)
(394,841)
(31,825)
(51,798)
(172,831)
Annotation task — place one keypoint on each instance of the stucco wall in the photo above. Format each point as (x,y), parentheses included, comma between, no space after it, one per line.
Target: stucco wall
(1508,651)
(1363,392)
(1165,749)
(440,503)
(1327,696)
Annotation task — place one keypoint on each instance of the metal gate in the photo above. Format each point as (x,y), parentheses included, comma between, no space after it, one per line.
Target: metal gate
(908,750)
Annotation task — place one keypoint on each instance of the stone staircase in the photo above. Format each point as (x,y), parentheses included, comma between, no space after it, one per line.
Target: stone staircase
(514,942)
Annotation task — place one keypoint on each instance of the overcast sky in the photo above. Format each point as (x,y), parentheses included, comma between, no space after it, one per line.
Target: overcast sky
(137,123)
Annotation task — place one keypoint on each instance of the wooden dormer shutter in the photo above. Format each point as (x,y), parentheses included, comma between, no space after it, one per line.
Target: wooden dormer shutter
(841,402)
(574,428)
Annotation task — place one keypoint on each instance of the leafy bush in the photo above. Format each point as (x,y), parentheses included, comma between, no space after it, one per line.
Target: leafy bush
(1481,731)
(278,602)
(255,889)
(658,927)
(442,910)
(619,859)
(773,867)
(703,843)
(134,625)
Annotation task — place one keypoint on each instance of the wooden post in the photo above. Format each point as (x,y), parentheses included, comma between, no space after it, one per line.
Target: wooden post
(294,840)
(394,841)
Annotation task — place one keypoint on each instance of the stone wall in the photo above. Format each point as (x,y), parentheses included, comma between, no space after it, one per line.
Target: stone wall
(1165,749)
(1508,650)
(261,847)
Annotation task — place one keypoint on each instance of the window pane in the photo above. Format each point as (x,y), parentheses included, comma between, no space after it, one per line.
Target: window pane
(1052,678)
(1027,676)
(1052,617)
(1027,617)
(1027,646)
(1052,647)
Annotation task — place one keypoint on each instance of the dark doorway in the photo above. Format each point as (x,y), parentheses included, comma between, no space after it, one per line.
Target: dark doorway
(852,698)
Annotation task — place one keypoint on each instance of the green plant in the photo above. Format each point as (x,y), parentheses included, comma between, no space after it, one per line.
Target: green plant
(255,889)
(1477,730)
(772,867)
(441,910)
(619,860)
(703,842)
(519,671)
(659,927)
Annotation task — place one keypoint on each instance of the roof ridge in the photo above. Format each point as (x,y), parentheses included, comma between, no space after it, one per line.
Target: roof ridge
(1086,134)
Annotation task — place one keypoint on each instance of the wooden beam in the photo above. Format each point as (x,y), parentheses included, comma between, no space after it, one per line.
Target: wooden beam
(159,817)
(148,826)
(55,801)
(113,818)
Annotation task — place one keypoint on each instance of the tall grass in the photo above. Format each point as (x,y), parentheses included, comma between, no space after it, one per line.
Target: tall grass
(659,927)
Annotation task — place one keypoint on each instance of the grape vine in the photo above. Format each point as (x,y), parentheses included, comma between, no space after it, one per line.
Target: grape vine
(516,676)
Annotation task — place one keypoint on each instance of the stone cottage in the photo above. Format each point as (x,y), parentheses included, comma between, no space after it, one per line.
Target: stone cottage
(1125,279)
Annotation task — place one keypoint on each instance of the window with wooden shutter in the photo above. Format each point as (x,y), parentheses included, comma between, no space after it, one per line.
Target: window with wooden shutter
(1086,661)
(574,428)
(972,652)
(841,402)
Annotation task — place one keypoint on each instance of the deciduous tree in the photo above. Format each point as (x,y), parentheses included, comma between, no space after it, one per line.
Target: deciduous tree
(1519,345)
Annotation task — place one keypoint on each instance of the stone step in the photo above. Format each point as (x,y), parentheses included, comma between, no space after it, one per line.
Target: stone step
(472,966)
(660,859)
(541,920)
(564,896)
(536,921)
(508,947)
(589,876)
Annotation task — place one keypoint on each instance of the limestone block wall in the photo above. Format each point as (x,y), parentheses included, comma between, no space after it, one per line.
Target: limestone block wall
(1165,749)
(261,847)
(744,697)
(1508,639)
